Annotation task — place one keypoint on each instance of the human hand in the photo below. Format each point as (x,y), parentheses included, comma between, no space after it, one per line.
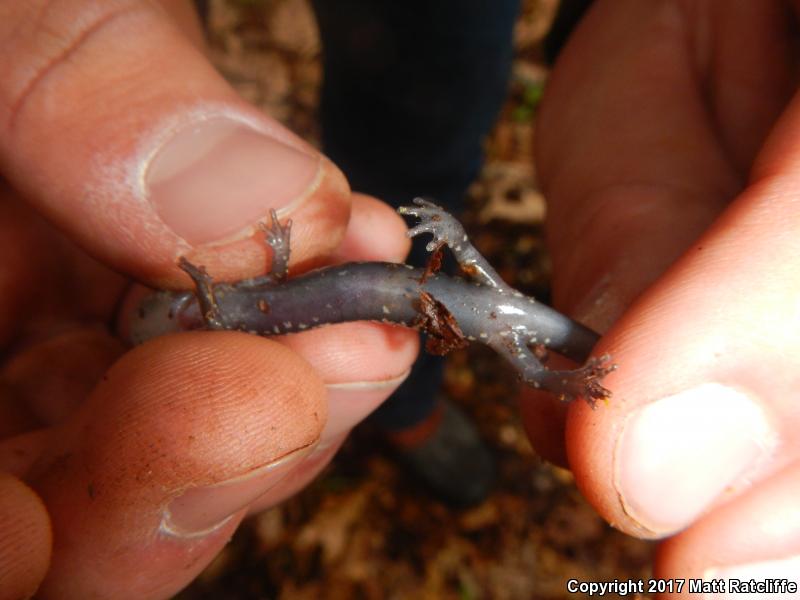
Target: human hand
(669,154)
(119,132)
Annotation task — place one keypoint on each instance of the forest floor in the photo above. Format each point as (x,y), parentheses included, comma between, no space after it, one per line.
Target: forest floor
(365,528)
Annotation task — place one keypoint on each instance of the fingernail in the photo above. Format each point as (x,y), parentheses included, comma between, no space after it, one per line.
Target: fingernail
(349,403)
(768,579)
(675,456)
(199,511)
(214,178)
(300,477)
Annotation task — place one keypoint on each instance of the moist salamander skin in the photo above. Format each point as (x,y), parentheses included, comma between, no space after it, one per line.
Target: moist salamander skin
(451,310)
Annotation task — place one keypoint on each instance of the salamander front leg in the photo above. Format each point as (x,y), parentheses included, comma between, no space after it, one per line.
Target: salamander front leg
(277,237)
(446,229)
(204,290)
(583,382)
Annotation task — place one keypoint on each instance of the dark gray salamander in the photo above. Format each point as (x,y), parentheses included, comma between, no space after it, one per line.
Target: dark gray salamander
(451,310)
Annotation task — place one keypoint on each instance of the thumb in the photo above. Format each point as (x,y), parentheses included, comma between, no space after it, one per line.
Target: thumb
(119,130)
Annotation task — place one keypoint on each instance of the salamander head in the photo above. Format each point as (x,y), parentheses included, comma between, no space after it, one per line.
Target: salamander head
(158,313)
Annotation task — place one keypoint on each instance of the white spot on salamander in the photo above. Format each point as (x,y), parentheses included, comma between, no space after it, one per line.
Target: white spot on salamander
(315,319)
(276,329)
(483,335)
(386,310)
(302,326)
(508,309)
(287,324)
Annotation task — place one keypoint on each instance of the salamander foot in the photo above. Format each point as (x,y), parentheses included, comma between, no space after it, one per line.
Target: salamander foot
(278,237)
(435,220)
(583,382)
(204,290)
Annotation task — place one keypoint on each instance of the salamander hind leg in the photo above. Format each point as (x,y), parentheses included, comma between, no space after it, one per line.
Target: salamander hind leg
(433,219)
(583,382)
(446,230)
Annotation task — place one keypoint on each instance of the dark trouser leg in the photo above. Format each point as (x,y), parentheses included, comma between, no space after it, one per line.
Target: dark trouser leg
(411,89)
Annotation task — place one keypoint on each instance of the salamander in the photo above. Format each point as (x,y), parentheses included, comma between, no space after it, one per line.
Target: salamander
(451,310)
